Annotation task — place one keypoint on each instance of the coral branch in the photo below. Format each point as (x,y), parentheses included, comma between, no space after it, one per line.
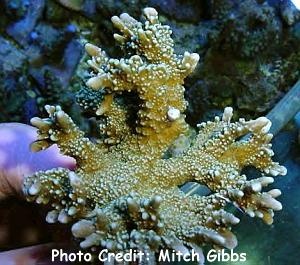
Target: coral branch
(125,191)
(60,129)
(154,72)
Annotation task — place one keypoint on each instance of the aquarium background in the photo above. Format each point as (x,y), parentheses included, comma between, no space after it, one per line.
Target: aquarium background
(249,59)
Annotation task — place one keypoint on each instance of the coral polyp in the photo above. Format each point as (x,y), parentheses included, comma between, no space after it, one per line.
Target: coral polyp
(125,192)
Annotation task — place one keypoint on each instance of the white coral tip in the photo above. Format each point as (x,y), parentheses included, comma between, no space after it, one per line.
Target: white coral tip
(195,58)
(92,49)
(52,217)
(256,186)
(173,114)
(83,228)
(275,193)
(283,171)
(227,115)
(278,170)
(151,14)
(260,125)
(190,60)
(75,180)
(99,81)
(95,82)
(63,217)
(35,188)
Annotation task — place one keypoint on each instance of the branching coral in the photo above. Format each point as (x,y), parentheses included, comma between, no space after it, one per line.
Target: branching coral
(125,193)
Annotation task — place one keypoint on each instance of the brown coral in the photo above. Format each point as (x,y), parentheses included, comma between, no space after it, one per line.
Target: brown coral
(125,193)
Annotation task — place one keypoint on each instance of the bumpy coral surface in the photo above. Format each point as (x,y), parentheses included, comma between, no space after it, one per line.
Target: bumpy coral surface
(125,192)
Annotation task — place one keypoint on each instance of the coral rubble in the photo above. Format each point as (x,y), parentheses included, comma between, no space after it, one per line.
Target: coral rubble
(125,193)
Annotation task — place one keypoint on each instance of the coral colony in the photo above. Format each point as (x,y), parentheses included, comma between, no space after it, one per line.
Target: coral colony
(124,193)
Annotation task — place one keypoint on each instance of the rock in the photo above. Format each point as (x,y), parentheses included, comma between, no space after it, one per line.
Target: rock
(71,58)
(20,31)
(30,109)
(188,11)
(11,58)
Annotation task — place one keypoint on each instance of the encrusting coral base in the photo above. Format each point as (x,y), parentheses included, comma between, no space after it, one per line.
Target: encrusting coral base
(124,193)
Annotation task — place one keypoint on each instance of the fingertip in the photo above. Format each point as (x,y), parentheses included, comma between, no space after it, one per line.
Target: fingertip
(66,162)
(51,158)
(34,255)
(18,161)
